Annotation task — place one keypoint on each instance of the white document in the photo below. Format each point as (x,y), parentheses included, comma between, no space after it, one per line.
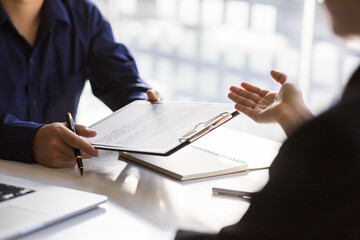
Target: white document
(158,128)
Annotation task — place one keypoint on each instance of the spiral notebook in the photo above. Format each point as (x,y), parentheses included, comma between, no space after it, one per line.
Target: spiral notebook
(220,152)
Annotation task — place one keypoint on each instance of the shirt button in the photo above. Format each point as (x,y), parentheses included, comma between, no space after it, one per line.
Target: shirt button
(32,61)
(34,104)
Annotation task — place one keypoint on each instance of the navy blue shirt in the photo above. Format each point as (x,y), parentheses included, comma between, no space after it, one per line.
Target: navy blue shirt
(39,85)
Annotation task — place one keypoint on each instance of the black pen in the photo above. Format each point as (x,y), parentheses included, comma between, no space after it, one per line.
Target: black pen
(71,126)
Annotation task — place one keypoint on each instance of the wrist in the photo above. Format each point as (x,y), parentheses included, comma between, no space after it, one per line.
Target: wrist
(293,117)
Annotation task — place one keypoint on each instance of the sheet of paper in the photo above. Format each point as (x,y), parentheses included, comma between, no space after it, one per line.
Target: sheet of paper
(153,127)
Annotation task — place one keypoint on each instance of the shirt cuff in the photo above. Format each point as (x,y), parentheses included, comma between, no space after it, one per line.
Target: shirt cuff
(16,141)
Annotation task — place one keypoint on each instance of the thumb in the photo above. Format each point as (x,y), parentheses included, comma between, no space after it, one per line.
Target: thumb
(83,131)
(278,77)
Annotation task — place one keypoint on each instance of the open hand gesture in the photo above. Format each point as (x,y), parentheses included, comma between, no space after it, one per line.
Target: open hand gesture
(285,107)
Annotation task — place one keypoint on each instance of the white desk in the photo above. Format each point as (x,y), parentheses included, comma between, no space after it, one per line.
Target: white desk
(142,204)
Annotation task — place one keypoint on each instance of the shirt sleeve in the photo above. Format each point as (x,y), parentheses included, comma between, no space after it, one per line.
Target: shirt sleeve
(112,70)
(16,138)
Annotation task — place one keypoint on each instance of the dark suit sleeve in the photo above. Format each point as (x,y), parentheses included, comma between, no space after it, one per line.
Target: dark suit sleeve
(314,184)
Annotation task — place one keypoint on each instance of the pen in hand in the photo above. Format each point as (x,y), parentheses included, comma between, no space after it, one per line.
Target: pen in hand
(71,126)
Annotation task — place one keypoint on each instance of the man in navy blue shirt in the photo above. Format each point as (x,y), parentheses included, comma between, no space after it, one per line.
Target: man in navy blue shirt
(48,48)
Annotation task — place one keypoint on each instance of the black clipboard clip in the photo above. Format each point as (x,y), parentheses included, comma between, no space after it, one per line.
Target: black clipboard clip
(204,127)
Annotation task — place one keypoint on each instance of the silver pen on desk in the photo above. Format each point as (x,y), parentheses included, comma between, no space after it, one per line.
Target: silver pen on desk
(231,193)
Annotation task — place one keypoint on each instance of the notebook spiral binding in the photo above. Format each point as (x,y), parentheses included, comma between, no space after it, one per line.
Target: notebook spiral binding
(218,154)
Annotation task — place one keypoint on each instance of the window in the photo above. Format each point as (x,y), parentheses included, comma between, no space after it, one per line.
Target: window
(194,50)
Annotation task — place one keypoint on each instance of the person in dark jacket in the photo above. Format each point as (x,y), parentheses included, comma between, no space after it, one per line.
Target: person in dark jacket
(314,187)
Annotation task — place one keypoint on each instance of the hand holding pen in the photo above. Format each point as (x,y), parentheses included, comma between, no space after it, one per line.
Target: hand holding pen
(53,145)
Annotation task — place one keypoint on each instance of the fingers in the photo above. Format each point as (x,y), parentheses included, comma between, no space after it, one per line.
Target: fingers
(153,96)
(245,94)
(53,145)
(254,89)
(84,131)
(238,99)
(62,159)
(75,141)
(249,96)
(85,155)
(278,77)
(56,155)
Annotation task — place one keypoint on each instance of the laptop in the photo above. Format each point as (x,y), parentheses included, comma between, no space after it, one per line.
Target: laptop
(26,206)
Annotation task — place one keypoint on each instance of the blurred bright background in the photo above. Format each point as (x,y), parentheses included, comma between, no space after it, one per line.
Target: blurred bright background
(194,50)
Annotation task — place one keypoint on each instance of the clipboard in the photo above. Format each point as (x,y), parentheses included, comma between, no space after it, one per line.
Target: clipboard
(159,128)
